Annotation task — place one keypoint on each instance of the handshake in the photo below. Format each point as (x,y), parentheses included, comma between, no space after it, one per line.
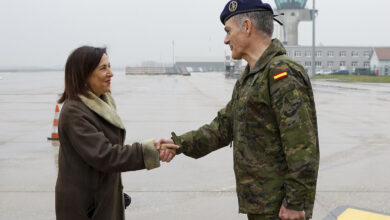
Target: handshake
(166,148)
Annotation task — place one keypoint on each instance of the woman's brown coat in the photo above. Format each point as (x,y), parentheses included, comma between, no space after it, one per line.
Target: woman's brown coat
(92,156)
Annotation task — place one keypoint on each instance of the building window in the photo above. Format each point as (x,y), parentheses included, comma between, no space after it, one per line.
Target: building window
(367,65)
(288,53)
(342,63)
(354,64)
(330,64)
(355,53)
(318,63)
(330,53)
(318,53)
(343,53)
(366,53)
(308,53)
(307,63)
(297,53)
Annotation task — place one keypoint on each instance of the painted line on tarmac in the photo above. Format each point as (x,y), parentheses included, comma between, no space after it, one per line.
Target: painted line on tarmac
(355,214)
(231,188)
(353,191)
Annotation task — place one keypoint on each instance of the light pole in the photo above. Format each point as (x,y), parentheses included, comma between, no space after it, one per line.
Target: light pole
(313,53)
(173,53)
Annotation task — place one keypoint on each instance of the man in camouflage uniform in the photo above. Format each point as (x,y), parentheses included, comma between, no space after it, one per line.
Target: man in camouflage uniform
(270,118)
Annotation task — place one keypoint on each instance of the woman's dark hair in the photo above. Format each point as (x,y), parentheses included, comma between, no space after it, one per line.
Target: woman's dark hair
(80,64)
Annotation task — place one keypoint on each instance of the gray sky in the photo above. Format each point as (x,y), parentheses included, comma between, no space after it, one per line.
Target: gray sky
(42,33)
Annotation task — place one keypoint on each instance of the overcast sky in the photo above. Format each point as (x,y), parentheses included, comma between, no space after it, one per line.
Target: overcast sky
(42,33)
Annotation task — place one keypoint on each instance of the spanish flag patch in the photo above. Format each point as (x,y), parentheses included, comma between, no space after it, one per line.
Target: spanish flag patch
(280,75)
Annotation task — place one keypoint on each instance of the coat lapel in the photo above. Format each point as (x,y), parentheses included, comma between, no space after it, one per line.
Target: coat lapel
(105,107)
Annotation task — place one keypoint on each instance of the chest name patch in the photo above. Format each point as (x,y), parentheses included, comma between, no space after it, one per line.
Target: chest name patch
(280,75)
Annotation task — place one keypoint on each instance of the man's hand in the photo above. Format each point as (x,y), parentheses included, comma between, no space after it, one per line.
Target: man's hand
(166,148)
(169,152)
(159,142)
(289,214)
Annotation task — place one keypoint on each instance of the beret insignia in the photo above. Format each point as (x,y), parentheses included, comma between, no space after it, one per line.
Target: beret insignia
(233,6)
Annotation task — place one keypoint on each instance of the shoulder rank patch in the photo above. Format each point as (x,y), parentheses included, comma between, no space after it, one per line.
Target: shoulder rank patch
(280,75)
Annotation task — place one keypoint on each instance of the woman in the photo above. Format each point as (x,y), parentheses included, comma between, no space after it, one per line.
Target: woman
(92,155)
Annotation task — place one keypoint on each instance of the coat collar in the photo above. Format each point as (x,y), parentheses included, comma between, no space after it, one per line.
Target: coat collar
(104,106)
(275,49)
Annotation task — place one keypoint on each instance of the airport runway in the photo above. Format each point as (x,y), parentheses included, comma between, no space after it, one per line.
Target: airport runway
(354,131)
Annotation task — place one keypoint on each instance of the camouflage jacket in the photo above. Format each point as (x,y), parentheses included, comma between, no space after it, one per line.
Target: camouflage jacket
(272,122)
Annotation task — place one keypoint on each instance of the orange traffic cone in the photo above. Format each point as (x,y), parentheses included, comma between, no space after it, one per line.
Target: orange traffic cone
(54,134)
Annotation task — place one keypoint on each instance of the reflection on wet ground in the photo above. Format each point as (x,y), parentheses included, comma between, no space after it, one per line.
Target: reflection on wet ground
(353,126)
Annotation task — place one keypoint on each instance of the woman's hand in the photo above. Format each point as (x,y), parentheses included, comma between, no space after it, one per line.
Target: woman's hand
(167,149)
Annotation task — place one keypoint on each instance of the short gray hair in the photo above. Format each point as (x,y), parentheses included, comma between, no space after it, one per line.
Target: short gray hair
(262,20)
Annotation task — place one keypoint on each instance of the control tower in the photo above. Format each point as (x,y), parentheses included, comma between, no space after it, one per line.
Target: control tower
(294,12)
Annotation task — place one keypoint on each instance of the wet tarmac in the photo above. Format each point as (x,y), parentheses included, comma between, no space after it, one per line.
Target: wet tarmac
(354,131)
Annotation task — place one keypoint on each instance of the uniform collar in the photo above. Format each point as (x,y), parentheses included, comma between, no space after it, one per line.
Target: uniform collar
(276,48)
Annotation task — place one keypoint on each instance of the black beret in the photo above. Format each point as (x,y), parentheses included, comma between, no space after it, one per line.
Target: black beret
(235,7)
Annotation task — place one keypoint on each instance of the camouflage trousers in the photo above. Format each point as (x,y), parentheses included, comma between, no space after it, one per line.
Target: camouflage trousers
(263,217)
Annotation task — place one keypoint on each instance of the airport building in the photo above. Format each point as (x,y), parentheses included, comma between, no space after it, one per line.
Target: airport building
(332,59)
(293,12)
(328,59)
(201,64)
(380,61)
(182,66)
